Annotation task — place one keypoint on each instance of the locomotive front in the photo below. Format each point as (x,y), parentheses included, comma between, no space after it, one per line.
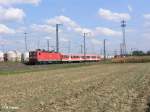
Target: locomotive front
(33,57)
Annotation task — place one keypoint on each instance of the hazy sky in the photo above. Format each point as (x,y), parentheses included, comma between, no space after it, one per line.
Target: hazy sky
(100,18)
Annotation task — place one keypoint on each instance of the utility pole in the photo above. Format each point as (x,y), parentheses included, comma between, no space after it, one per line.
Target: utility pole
(3,47)
(38,44)
(84,45)
(25,39)
(57,37)
(81,48)
(69,46)
(131,51)
(123,25)
(115,52)
(104,49)
(53,48)
(121,49)
(101,51)
(48,45)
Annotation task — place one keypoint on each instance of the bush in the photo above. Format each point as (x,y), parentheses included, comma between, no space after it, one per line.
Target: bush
(132,59)
(148,53)
(138,53)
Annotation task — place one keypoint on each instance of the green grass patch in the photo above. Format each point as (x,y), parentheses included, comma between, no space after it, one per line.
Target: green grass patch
(18,68)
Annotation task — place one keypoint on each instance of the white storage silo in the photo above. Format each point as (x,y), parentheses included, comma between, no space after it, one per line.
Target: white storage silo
(18,56)
(11,56)
(1,56)
(25,57)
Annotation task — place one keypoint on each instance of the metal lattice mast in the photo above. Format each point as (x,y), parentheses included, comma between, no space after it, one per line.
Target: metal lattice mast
(38,44)
(69,46)
(48,45)
(81,48)
(121,53)
(123,25)
(104,49)
(84,45)
(25,39)
(57,37)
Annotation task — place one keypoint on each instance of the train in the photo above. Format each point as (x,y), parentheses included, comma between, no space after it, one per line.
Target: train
(50,57)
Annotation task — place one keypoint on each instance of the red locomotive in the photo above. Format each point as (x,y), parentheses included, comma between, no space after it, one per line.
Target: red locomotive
(45,57)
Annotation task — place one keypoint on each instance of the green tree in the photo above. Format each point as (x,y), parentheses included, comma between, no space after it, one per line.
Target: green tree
(148,53)
(138,53)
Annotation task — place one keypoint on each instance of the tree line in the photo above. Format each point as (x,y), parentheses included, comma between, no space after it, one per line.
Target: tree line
(140,53)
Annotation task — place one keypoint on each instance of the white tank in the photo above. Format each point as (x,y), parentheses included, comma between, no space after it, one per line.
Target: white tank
(25,57)
(1,56)
(11,56)
(18,56)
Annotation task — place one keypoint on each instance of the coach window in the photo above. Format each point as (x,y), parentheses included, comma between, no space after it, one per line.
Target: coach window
(88,56)
(65,56)
(93,57)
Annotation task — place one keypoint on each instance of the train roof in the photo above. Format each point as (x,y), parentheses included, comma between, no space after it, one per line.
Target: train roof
(71,54)
(80,54)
